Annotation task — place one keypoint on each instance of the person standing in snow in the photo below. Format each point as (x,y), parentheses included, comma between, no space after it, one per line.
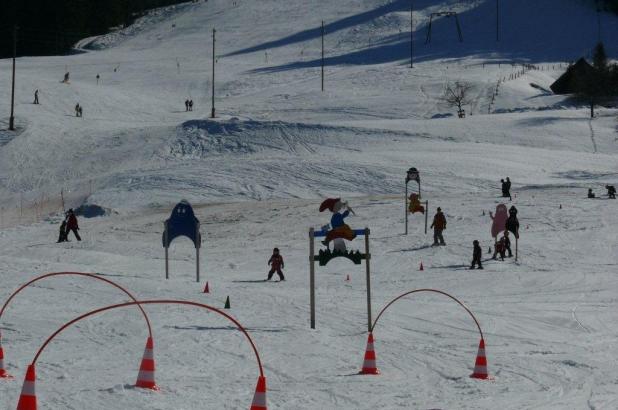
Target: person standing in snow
(77,110)
(501,248)
(36,96)
(507,243)
(503,187)
(72,225)
(507,188)
(438,225)
(476,255)
(512,223)
(190,105)
(186,105)
(62,235)
(276,264)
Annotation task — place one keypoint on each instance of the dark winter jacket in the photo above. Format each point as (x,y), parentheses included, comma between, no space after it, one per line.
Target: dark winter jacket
(478,252)
(276,261)
(72,222)
(439,221)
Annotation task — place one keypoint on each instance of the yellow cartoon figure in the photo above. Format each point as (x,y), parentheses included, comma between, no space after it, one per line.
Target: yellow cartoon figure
(415,204)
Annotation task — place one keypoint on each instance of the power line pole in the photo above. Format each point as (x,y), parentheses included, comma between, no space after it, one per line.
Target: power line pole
(498,20)
(12,117)
(599,19)
(212,113)
(322,55)
(411,34)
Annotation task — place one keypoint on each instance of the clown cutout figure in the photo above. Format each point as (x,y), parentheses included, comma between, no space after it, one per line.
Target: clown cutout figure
(415,204)
(339,229)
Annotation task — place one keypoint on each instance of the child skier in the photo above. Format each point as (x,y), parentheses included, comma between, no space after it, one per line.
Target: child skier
(276,264)
(476,255)
(507,243)
(501,248)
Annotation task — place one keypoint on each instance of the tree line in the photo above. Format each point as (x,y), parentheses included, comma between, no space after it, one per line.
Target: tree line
(611,5)
(52,27)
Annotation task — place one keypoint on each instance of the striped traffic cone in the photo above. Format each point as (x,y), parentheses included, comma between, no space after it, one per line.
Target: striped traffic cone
(3,373)
(480,366)
(369,364)
(146,375)
(27,399)
(259,398)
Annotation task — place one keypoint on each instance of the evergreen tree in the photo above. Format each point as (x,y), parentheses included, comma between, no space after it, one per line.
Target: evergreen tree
(599,84)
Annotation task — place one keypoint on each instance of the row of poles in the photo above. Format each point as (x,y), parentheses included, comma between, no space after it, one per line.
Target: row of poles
(212,113)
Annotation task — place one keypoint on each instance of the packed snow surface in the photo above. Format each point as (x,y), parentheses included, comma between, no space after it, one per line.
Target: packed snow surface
(256,175)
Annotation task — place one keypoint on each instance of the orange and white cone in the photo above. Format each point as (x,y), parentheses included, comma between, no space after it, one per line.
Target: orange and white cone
(421,267)
(146,376)
(3,373)
(27,399)
(206,289)
(259,398)
(369,364)
(480,366)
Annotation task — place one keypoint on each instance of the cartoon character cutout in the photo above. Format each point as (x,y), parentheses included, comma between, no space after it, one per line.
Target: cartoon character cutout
(339,229)
(499,220)
(415,204)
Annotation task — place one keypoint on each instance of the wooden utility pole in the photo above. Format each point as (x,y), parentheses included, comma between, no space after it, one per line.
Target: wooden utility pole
(12,117)
(322,55)
(411,34)
(497,20)
(212,112)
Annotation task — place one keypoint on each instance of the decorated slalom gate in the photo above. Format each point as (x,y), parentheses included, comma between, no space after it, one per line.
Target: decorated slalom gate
(182,222)
(369,361)
(337,232)
(412,204)
(146,375)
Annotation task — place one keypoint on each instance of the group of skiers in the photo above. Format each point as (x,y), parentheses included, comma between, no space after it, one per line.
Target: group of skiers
(69,224)
(611,192)
(503,245)
(188,105)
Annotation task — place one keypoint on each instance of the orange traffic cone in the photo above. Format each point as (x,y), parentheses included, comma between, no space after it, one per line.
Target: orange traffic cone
(206,289)
(146,375)
(480,366)
(3,373)
(369,364)
(259,398)
(27,399)
(421,267)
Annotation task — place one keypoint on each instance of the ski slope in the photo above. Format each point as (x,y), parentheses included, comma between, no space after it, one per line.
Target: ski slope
(256,175)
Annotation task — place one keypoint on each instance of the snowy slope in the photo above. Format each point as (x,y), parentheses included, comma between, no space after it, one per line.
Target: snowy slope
(256,175)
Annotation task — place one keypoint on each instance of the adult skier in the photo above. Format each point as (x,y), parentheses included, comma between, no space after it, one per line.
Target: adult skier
(72,224)
(438,225)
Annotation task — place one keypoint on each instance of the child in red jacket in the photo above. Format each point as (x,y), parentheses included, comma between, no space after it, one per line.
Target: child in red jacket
(276,264)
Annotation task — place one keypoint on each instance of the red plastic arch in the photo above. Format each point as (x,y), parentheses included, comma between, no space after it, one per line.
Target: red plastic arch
(89,275)
(433,291)
(153,302)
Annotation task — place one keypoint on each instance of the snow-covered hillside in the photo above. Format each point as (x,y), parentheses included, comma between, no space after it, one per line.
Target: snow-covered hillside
(256,175)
